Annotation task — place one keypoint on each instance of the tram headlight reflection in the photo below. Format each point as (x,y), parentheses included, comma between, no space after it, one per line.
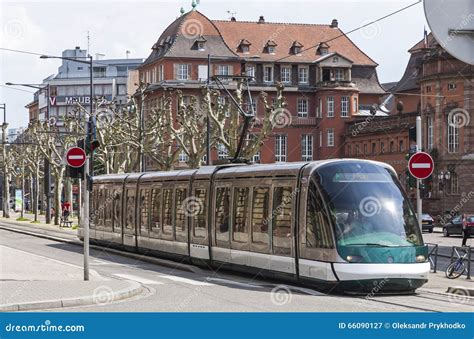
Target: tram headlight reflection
(354,258)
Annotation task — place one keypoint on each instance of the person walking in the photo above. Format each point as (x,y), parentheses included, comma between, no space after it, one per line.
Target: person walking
(465,233)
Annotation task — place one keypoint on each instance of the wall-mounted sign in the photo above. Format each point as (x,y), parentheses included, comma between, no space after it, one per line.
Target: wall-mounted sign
(71,100)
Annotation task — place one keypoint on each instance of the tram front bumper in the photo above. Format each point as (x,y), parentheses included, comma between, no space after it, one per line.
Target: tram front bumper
(386,278)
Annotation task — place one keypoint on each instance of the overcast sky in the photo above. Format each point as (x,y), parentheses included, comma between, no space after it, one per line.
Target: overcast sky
(49,27)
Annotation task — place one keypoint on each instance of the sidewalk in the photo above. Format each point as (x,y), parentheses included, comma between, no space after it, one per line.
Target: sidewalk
(33,282)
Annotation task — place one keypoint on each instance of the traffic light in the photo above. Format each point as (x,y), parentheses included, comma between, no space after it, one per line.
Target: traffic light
(91,143)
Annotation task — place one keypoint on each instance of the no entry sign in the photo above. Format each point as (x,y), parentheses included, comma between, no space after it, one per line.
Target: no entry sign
(421,165)
(75,157)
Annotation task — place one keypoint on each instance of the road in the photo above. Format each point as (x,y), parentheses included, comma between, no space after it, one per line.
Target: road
(172,290)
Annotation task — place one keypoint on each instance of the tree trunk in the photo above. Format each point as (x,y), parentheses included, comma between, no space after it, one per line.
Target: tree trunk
(58,185)
(6,202)
(36,192)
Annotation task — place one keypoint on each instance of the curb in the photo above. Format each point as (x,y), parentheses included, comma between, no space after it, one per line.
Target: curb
(133,290)
(141,257)
(461,290)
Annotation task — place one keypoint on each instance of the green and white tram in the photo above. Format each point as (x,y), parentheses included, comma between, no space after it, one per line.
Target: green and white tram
(337,225)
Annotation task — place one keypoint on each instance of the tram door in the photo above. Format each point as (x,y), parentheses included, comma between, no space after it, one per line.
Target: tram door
(129,215)
(197,207)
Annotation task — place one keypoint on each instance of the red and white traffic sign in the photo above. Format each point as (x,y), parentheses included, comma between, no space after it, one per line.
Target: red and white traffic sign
(421,165)
(76,157)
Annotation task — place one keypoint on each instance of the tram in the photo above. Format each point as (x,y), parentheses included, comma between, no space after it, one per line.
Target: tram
(342,225)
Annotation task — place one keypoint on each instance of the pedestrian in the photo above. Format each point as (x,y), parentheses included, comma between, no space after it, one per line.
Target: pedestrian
(465,233)
(66,209)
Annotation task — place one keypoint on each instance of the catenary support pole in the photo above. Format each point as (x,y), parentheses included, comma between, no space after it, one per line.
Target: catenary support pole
(419,206)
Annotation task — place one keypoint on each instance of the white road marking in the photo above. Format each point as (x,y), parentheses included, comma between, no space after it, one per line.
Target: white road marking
(185,280)
(231,282)
(138,279)
(421,165)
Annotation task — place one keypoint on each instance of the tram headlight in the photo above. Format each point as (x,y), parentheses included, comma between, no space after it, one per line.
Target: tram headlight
(420,258)
(354,258)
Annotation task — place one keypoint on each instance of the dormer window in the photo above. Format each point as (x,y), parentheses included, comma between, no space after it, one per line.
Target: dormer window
(323,48)
(270,47)
(200,43)
(296,47)
(244,46)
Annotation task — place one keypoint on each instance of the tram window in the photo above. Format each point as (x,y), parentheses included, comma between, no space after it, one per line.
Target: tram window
(199,212)
(108,208)
(144,208)
(282,204)
(130,209)
(240,230)
(318,230)
(117,210)
(167,211)
(180,212)
(260,220)
(222,214)
(155,209)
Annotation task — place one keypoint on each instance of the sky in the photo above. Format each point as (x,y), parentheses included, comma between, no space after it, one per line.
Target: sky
(49,27)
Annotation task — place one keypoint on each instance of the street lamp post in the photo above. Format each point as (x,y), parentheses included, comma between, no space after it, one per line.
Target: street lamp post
(87,166)
(47,165)
(6,202)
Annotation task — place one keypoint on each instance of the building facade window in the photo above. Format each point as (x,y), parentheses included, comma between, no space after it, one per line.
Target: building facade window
(366,151)
(401,146)
(374,148)
(221,151)
(382,147)
(453,137)
(302,107)
(280,148)
(255,158)
(224,70)
(392,147)
(330,107)
(303,74)
(268,73)
(454,183)
(250,71)
(319,109)
(429,130)
(306,147)
(339,74)
(161,72)
(330,139)
(357,150)
(183,157)
(182,72)
(355,105)
(349,150)
(451,86)
(285,74)
(344,107)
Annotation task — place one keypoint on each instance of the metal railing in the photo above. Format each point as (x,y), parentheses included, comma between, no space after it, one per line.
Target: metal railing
(433,256)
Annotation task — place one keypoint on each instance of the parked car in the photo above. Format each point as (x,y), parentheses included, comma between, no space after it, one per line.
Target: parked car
(455,226)
(427,222)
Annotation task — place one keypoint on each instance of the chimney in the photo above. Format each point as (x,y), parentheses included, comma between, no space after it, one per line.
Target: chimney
(233,19)
(77,47)
(261,20)
(334,23)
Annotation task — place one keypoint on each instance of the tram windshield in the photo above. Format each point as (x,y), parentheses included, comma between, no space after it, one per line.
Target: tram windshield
(367,206)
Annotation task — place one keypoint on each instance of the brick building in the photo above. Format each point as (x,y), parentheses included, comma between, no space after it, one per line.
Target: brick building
(324,85)
(438,87)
